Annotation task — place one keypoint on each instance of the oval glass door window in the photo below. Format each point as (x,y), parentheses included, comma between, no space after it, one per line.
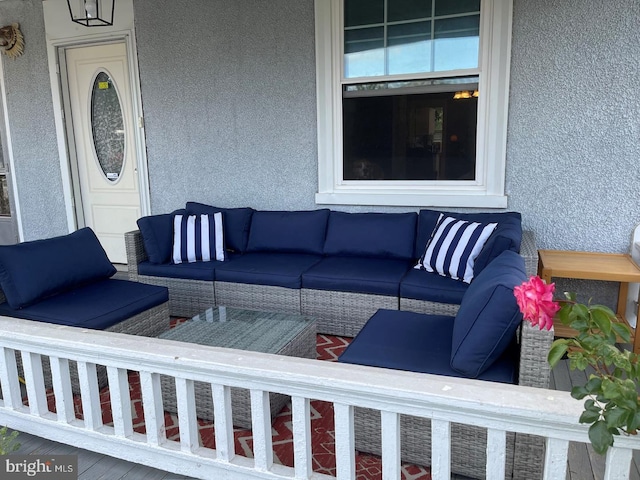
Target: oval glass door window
(107,125)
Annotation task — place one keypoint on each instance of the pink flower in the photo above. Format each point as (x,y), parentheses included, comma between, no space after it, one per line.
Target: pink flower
(535,300)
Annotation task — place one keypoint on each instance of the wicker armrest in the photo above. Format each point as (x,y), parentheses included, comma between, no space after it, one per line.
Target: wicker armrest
(534,348)
(529,252)
(135,252)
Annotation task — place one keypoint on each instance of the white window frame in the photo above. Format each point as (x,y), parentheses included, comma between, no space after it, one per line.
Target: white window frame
(488,188)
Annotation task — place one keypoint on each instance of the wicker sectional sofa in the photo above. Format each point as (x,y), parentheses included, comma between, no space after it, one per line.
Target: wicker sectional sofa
(342,268)
(337,267)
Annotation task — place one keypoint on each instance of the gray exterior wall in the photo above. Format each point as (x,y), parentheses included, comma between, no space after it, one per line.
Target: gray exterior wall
(229,101)
(33,134)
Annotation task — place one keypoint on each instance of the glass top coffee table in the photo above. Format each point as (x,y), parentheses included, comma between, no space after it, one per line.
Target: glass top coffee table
(266,332)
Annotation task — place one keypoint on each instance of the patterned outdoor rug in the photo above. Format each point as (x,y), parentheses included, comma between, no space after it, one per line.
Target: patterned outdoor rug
(368,467)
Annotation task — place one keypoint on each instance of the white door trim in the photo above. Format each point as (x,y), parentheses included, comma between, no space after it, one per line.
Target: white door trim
(62,33)
(17,217)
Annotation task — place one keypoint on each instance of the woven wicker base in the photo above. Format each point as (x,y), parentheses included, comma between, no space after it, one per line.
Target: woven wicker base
(468,443)
(429,308)
(187,298)
(258,297)
(343,313)
(149,323)
(302,345)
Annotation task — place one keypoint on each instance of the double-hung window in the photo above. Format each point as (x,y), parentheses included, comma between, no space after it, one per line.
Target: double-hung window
(412,101)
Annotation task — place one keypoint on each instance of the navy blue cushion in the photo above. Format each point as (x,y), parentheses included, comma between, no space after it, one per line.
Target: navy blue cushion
(157,235)
(288,232)
(378,276)
(488,317)
(382,235)
(236,221)
(98,305)
(507,235)
(416,343)
(431,287)
(31,271)
(274,269)
(189,271)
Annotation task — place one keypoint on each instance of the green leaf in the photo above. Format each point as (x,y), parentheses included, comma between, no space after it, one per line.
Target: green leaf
(579,324)
(589,417)
(594,384)
(617,417)
(557,351)
(570,296)
(600,436)
(602,320)
(578,392)
(622,331)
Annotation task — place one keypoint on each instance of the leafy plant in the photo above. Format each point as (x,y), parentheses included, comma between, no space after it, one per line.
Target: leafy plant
(8,442)
(611,404)
(611,401)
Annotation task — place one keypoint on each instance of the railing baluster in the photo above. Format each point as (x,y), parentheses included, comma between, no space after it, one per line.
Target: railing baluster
(261,428)
(120,401)
(90,392)
(440,450)
(34,378)
(390,422)
(301,412)
(61,378)
(496,453)
(225,448)
(555,459)
(153,410)
(618,463)
(9,379)
(187,421)
(345,442)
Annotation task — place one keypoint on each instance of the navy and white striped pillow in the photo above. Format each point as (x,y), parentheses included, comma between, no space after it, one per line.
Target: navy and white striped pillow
(454,246)
(198,238)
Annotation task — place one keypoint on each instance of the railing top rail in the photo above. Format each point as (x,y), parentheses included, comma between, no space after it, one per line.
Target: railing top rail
(472,401)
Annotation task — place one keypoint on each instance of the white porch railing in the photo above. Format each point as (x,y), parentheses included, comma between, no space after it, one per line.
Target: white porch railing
(499,408)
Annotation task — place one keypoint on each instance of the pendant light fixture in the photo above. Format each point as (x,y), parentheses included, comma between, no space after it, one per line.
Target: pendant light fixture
(92,13)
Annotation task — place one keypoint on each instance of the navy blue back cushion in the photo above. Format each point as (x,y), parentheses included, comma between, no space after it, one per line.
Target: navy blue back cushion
(236,223)
(157,236)
(31,271)
(506,236)
(288,232)
(488,317)
(383,235)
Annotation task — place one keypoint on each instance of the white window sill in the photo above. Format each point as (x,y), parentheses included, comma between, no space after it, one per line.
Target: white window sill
(412,199)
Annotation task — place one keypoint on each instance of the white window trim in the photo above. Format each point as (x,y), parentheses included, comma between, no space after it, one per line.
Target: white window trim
(487,191)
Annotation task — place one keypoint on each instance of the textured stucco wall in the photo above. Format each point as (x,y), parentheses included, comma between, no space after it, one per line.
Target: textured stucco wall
(229,101)
(574,124)
(33,135)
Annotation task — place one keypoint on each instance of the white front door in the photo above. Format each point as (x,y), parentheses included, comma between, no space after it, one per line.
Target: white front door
(106,188)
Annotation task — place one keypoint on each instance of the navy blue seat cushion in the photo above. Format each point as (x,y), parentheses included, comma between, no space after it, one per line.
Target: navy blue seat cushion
(98,305)
(431,287)
(31,271)
(382,235)
(157,235)
(506,236)
(288,232)
(274,269)
(489,316)
(236,223)
(379,276)
(416,342)
(189,271)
